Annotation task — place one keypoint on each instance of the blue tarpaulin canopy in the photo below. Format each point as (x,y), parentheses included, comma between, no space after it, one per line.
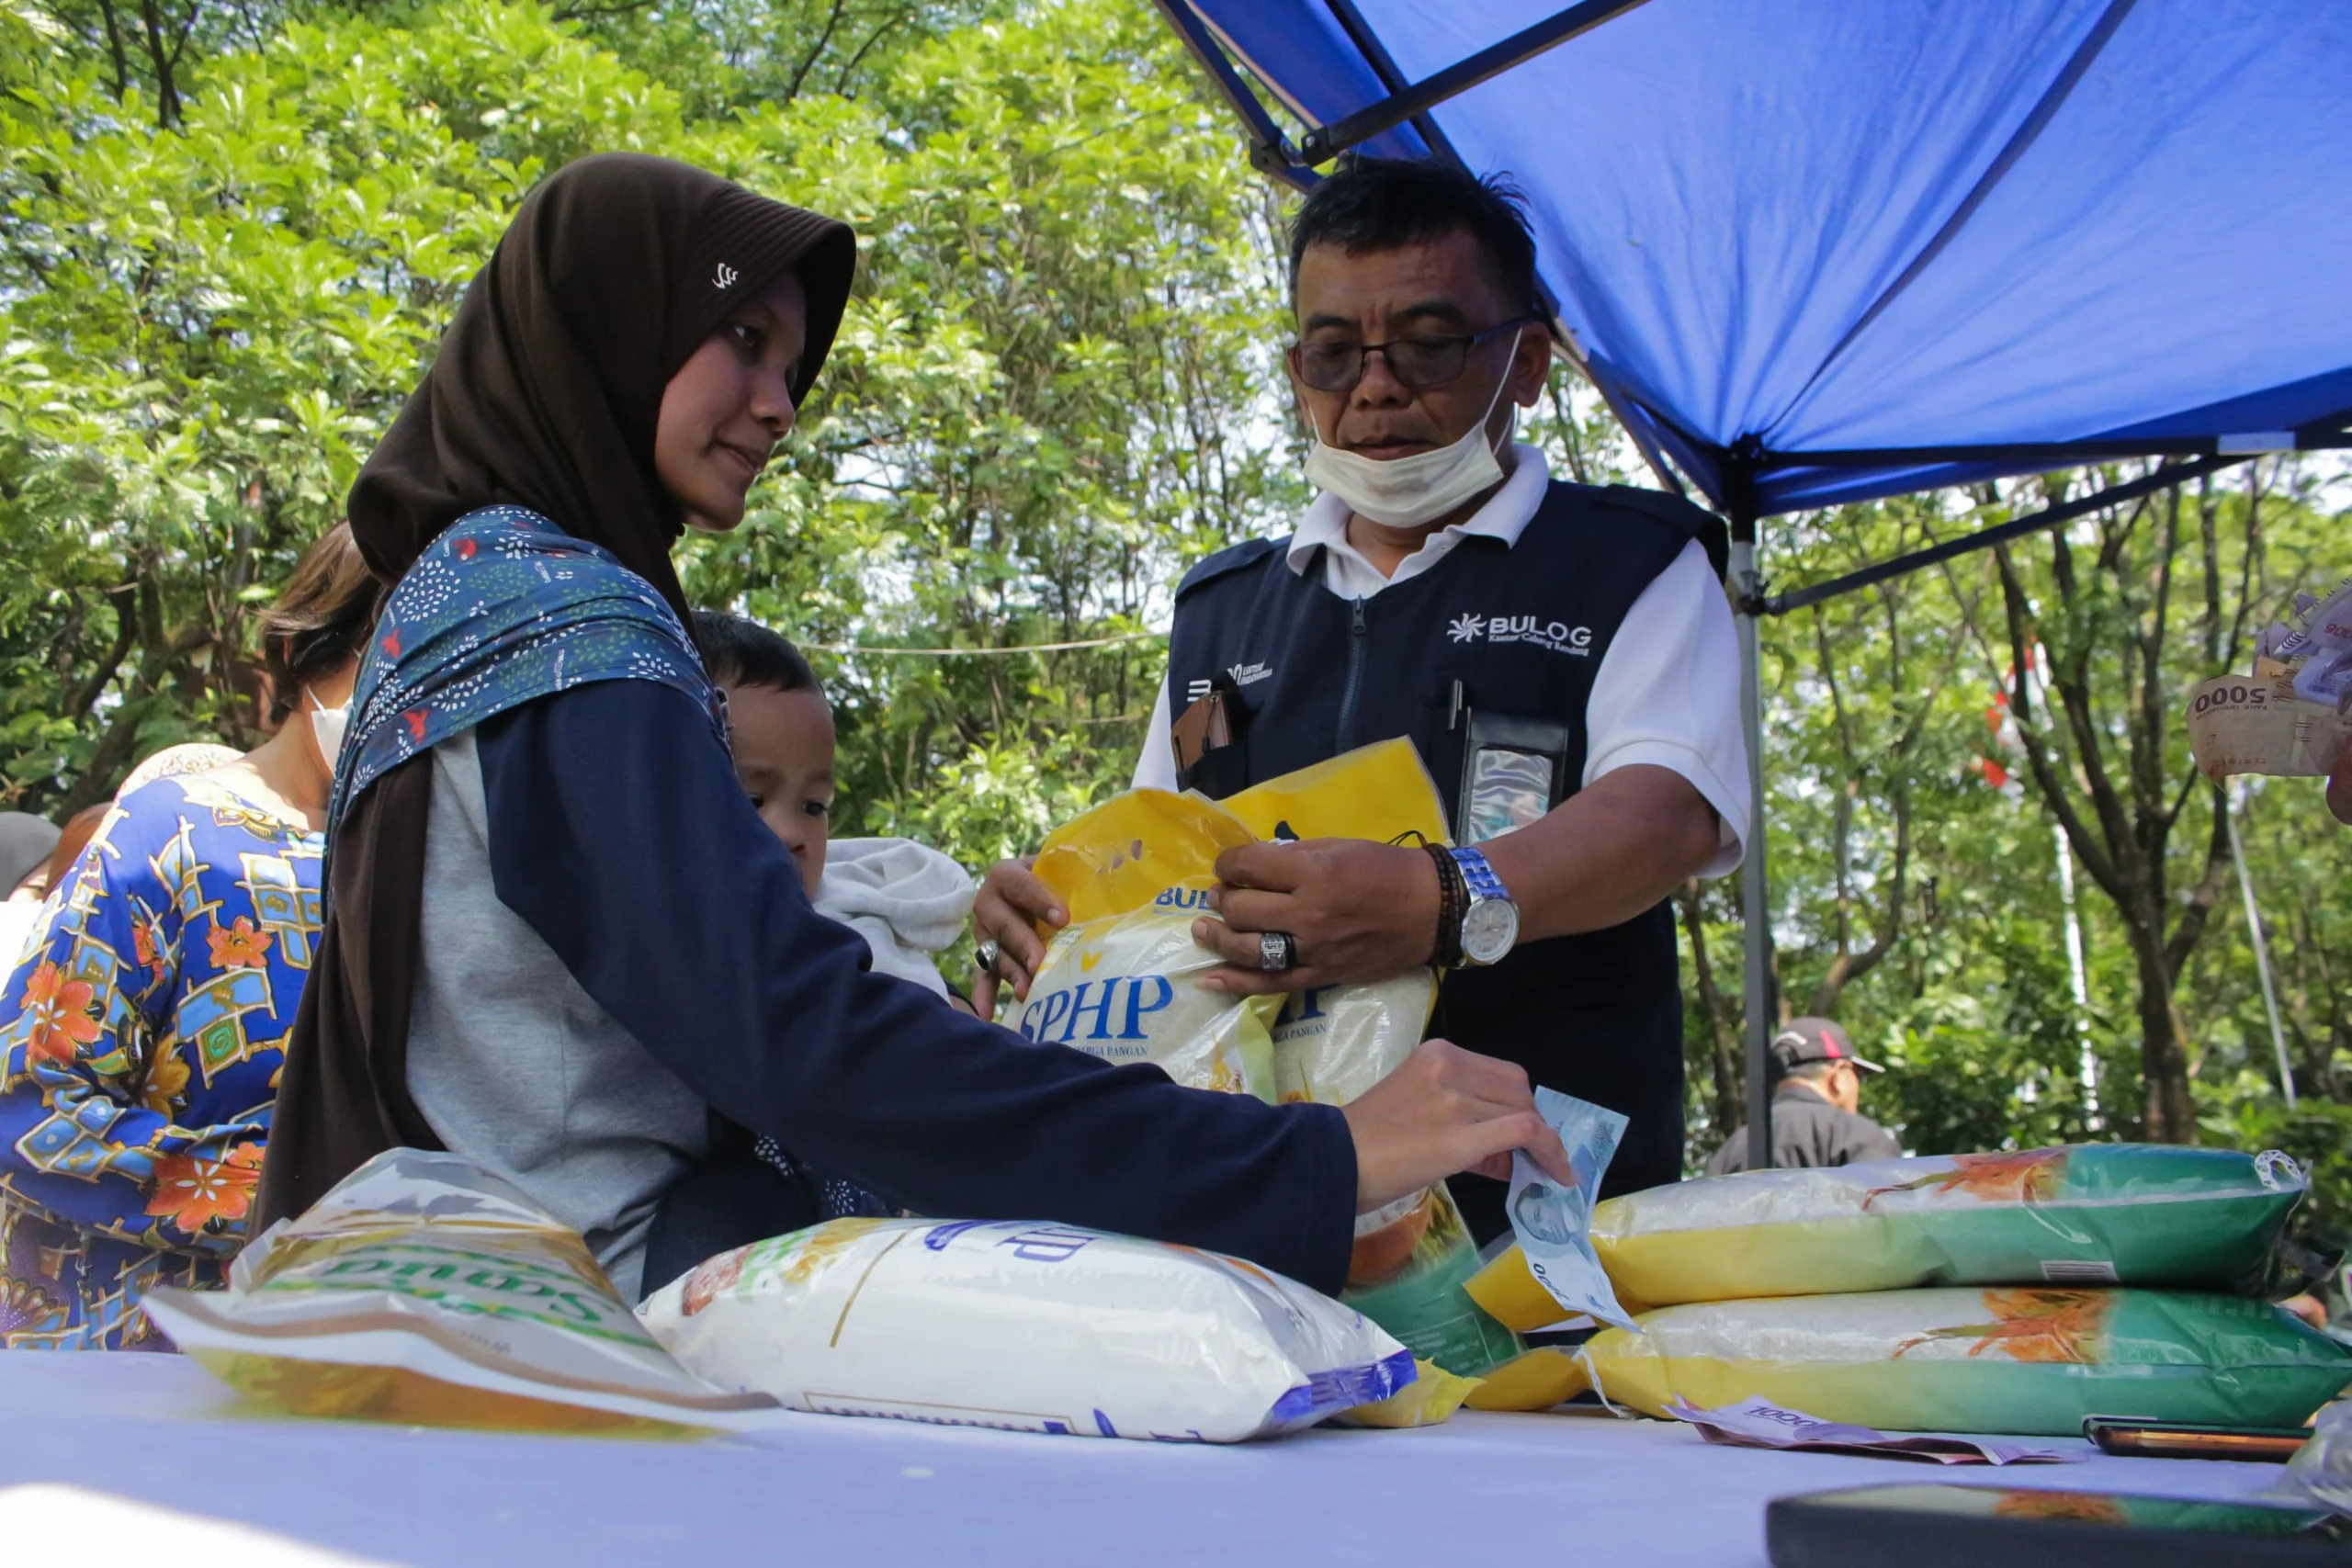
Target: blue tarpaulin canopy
(1821,250)
(1830,251)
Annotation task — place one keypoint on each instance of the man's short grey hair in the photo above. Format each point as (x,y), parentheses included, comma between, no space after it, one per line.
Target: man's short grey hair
(1814,1072)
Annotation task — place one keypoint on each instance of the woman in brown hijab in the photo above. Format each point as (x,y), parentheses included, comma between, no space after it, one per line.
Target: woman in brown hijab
(561,942)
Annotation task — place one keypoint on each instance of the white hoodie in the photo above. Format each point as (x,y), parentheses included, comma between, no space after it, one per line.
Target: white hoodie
(906,899)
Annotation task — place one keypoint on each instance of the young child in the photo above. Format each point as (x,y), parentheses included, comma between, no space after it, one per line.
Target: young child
(907,900)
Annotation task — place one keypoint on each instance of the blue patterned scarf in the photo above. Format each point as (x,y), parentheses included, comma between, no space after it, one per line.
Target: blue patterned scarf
(502,609)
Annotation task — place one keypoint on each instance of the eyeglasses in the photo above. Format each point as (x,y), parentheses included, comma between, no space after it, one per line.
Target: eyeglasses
(1416,362)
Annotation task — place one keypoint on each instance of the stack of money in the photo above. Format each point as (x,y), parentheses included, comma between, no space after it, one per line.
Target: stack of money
(2291,714)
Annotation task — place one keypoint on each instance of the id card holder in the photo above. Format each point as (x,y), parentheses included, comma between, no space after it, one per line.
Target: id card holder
(1513,771)
(1211,743)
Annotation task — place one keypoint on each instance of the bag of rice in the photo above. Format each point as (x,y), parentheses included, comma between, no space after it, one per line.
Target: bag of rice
(1028,1327)
(1127,989)
(422,1290)
(1123,981)
(2100,1213)
(2034,1360)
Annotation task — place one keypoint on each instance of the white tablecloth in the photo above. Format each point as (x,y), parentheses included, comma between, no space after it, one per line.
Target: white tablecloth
(157,1448)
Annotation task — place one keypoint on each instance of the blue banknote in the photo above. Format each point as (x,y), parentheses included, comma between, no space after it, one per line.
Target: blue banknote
(1554,1223)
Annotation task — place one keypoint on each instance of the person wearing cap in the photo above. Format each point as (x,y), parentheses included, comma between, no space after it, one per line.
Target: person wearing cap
(1817,1104)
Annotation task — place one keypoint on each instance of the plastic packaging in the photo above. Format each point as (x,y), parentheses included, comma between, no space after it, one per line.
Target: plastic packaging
(2100,1213)
(1126,988)
(2321,1470)
(1122,981)
(2031,1361)
(422,1290)
(1430,1399)
(1027,1326)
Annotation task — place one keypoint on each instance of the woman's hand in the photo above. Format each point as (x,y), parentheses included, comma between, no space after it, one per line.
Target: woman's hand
(1011,905)
(1446,1110)
(1357,913)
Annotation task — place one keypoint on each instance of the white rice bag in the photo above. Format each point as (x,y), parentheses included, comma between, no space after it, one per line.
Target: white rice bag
(1024,1325)
(1127,989)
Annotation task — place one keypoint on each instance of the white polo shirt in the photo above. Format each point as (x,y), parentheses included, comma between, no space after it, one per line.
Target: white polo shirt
(1667,692)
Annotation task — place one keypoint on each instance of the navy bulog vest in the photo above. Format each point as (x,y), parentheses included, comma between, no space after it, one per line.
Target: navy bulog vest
(1522,628)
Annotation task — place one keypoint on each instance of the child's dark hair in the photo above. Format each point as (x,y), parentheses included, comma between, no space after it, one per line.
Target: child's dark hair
(739,652)
(320,622)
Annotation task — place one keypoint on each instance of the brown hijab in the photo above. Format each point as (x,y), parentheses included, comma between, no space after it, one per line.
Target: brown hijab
(545,394)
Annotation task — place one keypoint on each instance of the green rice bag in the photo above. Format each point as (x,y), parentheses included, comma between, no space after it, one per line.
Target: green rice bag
(2031,1361)
(2098,1214)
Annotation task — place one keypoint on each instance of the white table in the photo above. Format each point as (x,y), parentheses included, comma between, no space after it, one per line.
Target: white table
(1522,1490)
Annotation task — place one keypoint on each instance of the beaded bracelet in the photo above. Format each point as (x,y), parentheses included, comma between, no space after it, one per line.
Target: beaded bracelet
(1453,903)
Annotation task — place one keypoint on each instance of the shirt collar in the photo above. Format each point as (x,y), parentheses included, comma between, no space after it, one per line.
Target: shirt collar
(1505,516)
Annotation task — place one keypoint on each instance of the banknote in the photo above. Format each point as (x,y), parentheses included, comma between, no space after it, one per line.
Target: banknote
(1757,1423)
(1554,1223)
(2261,724)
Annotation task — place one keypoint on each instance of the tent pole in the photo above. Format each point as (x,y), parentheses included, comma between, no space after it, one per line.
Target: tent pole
(1326,142)
(2229,806)
(1755,975)
(2158,478)
(1269,150)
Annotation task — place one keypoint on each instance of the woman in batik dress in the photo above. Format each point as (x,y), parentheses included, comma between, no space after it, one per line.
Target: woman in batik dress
(142,1029)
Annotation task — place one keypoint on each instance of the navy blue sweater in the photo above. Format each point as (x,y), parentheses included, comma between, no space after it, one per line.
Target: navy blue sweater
(617,832)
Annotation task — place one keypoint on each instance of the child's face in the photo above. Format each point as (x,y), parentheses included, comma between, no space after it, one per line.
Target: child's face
(783,758)
(729,405)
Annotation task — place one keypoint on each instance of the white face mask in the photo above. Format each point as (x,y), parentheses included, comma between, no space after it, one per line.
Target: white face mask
(327,726)
(1405,493)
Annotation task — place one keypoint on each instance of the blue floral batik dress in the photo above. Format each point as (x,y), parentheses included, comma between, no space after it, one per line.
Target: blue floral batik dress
(141,1039)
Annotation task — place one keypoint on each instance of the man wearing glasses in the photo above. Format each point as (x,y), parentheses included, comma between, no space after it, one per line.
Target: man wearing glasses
(1561,655)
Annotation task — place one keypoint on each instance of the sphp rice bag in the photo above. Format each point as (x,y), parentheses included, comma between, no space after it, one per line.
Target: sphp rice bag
(2031,1361)
(1126,988)
(1123,981)
(1029,1326)
(2101,1213)
(421,1288)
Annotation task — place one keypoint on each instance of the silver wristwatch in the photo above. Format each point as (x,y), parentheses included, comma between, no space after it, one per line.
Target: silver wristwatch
(1490,925)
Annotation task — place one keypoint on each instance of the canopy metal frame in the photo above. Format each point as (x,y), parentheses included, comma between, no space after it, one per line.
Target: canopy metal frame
(1741,463)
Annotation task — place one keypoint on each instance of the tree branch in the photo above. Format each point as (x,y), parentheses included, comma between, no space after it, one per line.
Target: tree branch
(2207,891)
(2046,777)
(124,601)
(824,42)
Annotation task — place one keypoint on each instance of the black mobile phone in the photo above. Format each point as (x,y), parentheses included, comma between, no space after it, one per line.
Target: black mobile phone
(1932,1526)
(2129,1436)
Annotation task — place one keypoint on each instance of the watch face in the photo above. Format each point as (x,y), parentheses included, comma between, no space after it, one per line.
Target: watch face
(1489,930)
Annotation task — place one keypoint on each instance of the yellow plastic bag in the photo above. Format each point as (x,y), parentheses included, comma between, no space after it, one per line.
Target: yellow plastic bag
(1431,1399)
(1379,792)
(1127,851)
(1122,981)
